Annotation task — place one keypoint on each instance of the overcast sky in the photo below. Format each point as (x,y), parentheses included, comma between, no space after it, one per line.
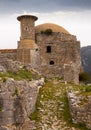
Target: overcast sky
(73,15)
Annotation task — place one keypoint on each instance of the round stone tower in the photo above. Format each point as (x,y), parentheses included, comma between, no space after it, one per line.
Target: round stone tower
(27,23)
(27,38)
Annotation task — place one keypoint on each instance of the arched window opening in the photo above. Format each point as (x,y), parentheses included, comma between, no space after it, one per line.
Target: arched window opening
(26,28)
(48,49)
(51,62)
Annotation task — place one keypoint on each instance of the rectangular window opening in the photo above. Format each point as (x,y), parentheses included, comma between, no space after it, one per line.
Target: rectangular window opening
(48,49)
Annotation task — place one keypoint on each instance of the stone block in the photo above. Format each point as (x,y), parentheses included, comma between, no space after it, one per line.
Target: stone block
(6,114)
(5,121)
(1,128)
(5,95)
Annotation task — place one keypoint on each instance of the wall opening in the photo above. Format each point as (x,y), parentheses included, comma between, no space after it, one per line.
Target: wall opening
(48,49)
(51,62)
(26,28)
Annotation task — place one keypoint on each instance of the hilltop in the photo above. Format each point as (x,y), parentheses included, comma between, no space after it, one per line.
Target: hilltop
(31,102)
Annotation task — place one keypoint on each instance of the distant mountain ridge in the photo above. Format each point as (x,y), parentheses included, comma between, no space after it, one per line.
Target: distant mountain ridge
(86,58)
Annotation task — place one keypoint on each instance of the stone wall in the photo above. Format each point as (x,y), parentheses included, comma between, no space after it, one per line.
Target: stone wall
(60,36)
(35,58)
(71,72)
(50,71)
(64,49)
(8,50)
(23,55)
(8,53)
(27,23)
(17,102)
(10,65)
(57,54)
(80,108)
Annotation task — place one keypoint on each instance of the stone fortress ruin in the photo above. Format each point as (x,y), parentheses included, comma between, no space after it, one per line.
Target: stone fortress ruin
(52,51)
(49,48)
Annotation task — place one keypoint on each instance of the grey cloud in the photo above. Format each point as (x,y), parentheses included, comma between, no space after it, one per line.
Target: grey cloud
(50,5)
(10,6)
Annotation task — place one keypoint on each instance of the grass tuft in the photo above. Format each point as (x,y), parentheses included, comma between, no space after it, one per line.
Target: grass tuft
(18,75)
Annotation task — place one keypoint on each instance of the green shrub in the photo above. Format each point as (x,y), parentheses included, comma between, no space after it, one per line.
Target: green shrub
(18,75)
(42,32)
(84,76)
(1,108)
(88,89)
(4,79)
(48,31)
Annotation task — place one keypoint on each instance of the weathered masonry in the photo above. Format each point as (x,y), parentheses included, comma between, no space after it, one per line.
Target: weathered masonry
(49,48)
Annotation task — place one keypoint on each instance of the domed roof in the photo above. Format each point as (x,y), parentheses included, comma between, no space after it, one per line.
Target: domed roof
(54,27)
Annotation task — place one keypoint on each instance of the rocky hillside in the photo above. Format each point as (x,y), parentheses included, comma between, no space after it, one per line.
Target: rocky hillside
(52,108)
(17,102)
(86,58)
(28,102)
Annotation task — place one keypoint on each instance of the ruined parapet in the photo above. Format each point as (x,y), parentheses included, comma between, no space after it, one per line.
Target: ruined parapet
(71,72)
(8,53)
(80,108)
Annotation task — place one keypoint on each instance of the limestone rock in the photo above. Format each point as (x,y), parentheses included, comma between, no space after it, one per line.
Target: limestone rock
(17,102)
(80,108)
(2,69)
(10,65)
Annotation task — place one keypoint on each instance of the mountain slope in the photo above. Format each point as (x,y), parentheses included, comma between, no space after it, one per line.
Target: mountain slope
(86,58)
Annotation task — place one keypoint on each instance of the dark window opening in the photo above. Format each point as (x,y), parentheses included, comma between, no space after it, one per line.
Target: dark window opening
(51,62)
(36,49)
(26,28)
(48,49)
